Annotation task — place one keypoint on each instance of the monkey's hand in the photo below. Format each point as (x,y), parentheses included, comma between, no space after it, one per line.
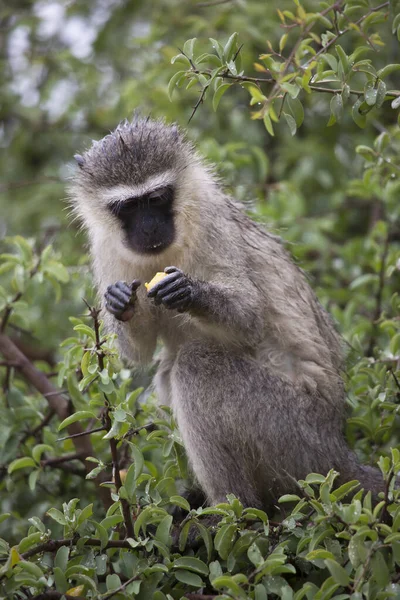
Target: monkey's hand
(121,298)
(175,291)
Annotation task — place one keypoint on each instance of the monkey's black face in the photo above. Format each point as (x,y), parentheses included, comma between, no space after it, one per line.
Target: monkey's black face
(148,221)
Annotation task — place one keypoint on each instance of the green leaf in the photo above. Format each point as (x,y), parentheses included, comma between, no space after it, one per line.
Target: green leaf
(219,92)
(255,555)
(388,70)
(56,515)
(289,498)
(292,89)
(61,559)
(370,94)
(319,554)
(336,106)
(31,568)
(113,582)
(21,463)
(230,47)
(180,501)
(137,458)
(38,451)
(188,48)
(85,514)
(224,540)
(163,530)
(182,59)
(291,123)
(189,578)
(191,564)
(344,60)
(174,81)
(60,580)
(381,93)
(57,270)
(226,581)
(4,516)
(338,573)
(358,118)
(268,124)
(296,110)
(80,415)
(29,541)
(82,328)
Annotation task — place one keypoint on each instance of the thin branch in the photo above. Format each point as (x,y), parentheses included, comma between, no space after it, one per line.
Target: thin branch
(56,460)
(53,595)
(54,545)
(131,432)
(82,433)
(379,295)
(341,33)
(121,587)
(126,511)
(39,427)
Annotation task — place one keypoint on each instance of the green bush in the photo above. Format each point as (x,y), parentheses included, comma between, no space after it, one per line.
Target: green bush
(92,472)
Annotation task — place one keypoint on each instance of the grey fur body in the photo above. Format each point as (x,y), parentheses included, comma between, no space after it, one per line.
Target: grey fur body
(252,367)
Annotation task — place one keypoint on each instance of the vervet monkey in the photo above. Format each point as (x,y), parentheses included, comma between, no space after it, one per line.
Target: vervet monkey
(251,361)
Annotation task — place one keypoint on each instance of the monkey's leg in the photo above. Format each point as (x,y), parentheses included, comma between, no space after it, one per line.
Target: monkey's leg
(209,414)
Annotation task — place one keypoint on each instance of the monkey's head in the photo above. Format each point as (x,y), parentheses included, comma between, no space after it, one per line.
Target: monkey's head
(131,183)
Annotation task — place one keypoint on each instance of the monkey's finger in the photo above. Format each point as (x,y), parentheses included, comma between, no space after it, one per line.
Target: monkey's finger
(153,291)
(115,304)
(124,287)
(135,284)
(172,270)
(178,284)
(175,299)
(121,295)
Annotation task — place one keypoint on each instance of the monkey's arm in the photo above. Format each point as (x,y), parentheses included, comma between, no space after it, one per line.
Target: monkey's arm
(125,316)
(223,310)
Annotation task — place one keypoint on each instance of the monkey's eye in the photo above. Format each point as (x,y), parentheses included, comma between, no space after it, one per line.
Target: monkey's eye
(161,196)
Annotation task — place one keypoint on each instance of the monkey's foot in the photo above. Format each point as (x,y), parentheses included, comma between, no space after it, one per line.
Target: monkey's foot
(120,299)
(176,290)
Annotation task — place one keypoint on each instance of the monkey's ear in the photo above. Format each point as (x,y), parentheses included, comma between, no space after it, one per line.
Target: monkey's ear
(80,160)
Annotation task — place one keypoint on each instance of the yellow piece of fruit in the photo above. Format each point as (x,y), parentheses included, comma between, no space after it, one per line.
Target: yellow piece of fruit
(157,277)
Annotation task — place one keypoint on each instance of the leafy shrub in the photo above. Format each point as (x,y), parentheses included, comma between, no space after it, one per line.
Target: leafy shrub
(92,472)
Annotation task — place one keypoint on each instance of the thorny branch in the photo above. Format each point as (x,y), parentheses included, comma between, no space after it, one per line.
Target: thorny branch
(94,314)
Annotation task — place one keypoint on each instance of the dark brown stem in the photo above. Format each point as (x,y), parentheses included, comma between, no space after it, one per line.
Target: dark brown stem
(56,460)
(81,434)
(39,427)
(196,596)
(94,313)
(120,588)
(379,296)
(53,595)
(54,545)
